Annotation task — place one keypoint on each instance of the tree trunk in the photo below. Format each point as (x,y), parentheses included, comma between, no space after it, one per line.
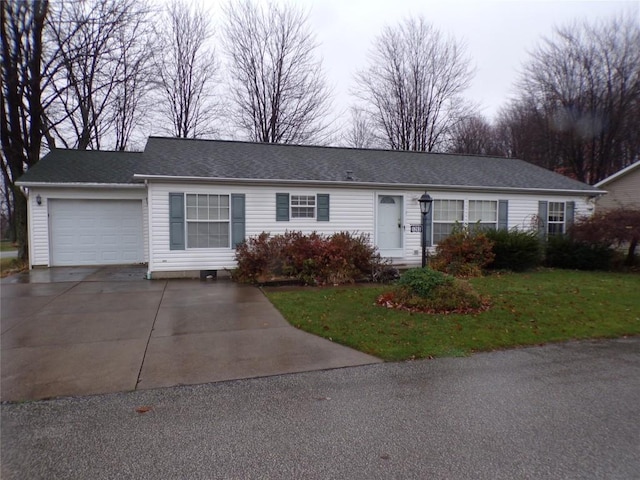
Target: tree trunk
(20,223)
(631,255)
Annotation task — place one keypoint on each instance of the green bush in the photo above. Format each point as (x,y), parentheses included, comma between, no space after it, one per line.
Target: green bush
(464,253)
(422,281)
(564,252)
(430,291)
(516,250)
(313,259)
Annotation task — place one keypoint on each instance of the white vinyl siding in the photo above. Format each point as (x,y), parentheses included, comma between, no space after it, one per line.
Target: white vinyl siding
(352,210)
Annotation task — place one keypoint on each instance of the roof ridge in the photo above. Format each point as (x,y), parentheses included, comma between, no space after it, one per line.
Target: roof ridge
(57,149)
(331,147)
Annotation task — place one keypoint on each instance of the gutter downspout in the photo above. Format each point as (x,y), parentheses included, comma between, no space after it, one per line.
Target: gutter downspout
(149,236)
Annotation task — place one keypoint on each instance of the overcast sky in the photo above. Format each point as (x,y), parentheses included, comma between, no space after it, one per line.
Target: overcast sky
(498,35)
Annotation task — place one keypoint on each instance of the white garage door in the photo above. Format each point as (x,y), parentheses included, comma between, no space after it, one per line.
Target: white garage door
(95,232)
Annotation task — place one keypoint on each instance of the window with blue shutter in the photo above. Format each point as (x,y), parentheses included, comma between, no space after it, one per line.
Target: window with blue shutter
(237,219)
(503,215)
(176,221)
(570,213)
(282,207)
(323,207)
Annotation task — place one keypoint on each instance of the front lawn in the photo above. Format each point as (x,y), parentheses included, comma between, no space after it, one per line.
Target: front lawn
(527,309)
(7,246)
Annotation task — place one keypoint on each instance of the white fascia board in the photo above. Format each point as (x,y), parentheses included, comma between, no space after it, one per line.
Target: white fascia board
(351,184)
(79,185)
(622,172)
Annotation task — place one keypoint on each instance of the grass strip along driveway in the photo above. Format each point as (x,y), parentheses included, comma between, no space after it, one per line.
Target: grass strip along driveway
(527,309)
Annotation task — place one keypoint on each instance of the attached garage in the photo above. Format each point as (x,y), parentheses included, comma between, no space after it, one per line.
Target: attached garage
(95,232)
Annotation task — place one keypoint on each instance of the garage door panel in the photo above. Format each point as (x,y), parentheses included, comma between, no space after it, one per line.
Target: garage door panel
(95,232)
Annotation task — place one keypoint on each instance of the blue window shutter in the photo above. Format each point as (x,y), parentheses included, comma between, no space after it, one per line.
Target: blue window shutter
(543,218)
(428,237)
(503,215)
(282,207)
(237,219)
(570,213)
(176,221)
(323,207)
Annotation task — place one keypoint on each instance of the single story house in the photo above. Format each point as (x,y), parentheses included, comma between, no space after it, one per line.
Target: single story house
(182,205)
(623,189)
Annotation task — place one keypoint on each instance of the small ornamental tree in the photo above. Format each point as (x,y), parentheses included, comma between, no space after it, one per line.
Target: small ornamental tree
(612,228)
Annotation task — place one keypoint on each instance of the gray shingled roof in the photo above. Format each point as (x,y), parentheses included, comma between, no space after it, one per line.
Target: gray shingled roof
(229,160)
(84,166)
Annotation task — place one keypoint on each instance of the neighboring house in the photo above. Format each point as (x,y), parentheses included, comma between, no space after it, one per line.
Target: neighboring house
(623,189)
(182,205)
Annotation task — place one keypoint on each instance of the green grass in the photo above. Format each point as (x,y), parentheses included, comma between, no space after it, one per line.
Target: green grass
(9,266)
(6,246)
(527,309)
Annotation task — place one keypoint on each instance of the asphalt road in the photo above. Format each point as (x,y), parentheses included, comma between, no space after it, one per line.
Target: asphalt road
(559,411)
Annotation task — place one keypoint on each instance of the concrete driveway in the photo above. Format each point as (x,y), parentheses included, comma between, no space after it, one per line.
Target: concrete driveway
(84,331)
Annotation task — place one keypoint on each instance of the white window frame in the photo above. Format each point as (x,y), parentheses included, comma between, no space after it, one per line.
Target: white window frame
(439,220)
(464,216)
(208,220)
(560,211)
(296,208)
(480,220)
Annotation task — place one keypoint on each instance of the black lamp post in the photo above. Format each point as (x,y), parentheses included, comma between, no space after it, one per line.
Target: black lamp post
(425,205)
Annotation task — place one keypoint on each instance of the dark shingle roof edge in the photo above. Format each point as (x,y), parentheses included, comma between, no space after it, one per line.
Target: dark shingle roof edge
(69,167)
(222,160)
(227,161)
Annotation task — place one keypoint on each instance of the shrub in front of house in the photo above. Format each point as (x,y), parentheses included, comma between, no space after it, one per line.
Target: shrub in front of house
(430,291)
(312,259)
(566,252)
(515,250)
(464,253)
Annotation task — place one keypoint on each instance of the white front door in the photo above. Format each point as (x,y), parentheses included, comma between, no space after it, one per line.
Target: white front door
(389,229)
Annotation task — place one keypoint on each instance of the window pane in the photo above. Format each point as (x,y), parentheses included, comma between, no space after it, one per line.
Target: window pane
(483,210)
(192,213)
(556,211)
(191,200)
(556,228)
(441,231)
(448,210)
(303,206)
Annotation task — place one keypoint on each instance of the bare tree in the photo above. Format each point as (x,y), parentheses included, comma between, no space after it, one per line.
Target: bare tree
(21,29)
(277,84)
(413,85)
(584,81)
(97,59)
(187,71)
(359,134)
(131,103)
(476,136)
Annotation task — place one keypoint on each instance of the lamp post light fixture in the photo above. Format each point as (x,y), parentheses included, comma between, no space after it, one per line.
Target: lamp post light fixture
(425,205)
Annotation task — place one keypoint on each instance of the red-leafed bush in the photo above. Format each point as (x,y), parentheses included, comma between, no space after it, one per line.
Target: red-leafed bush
(313,259)
(610,228)
(464,253)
